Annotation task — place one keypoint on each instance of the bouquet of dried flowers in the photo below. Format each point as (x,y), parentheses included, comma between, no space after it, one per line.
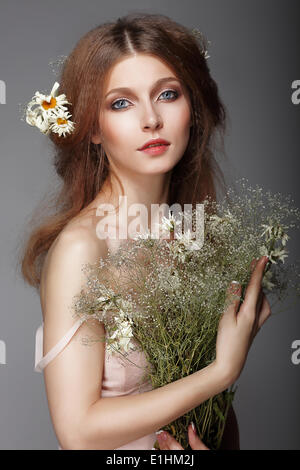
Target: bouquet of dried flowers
(168,294)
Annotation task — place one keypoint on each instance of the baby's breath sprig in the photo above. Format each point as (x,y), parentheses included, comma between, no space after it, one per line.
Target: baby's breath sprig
(203,42)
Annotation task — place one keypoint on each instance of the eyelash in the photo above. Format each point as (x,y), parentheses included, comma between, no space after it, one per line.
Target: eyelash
(124,99)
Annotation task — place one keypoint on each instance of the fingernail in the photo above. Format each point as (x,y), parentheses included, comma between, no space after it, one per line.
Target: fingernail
(234,287)
(266,258)
(194,427)
(162,436)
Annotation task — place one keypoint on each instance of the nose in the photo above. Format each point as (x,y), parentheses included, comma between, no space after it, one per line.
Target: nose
(151,119)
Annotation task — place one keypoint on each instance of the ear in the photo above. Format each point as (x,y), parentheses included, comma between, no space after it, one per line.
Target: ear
(96,139)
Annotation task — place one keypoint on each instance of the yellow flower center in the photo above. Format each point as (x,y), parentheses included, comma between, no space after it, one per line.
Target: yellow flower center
(61,121)
(47,105)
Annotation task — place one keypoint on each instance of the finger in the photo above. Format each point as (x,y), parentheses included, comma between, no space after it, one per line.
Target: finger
(168,442)
(260,300)
(232,301)
(265,312)
(254,286)
(253,264)
(194,440)
(258,309)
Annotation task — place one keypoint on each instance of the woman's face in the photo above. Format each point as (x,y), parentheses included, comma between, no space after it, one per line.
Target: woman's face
(146,110)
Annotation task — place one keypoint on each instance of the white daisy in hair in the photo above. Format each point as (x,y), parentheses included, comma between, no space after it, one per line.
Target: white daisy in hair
(35,118)
(31,117)
(61,124)
(52,101)
(48,112)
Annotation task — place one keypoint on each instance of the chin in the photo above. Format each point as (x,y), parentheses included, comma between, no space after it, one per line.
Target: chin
(159,165)
(159,169)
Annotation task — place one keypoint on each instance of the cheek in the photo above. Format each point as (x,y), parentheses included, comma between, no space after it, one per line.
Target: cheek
(118,129)
(178,120)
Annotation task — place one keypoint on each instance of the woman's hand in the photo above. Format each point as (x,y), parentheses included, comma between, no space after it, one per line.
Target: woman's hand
(167,442)
(238,326)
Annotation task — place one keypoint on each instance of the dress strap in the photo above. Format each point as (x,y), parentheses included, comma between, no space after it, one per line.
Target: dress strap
(40,361)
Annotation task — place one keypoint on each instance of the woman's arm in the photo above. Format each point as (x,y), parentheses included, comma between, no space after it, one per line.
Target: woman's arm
(112,422)
(231,438)
(81,418)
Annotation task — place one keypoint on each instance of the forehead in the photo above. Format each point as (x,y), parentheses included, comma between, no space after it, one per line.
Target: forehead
(137,69)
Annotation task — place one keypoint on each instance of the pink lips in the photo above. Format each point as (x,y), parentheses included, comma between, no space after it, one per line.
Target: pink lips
(157,150)
(154,141)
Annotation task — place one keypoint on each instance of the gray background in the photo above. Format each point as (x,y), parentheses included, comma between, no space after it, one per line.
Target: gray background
(254,59)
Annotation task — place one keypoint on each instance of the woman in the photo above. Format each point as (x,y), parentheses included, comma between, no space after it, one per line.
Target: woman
(140,78)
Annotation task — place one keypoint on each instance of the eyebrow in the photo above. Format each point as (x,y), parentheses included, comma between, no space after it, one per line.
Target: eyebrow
(156,85)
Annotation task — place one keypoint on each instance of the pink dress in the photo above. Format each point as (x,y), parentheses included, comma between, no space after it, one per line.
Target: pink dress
(120,377)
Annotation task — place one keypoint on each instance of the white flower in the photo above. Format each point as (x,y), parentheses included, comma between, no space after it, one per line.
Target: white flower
(51,101)
(267,231)
(125,335)
(146,235)
(102,299)
(168,224)
(47,112)
(122,337)
(182,245)
(42,124)
(276,232)
(263,250)
(31,117)
(266,281)
(60,124)
(187,241)
(284,239)
(277,254)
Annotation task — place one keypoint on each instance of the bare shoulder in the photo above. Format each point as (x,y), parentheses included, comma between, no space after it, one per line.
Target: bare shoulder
(63,278)
(78,240)
(77,244)
(80,235)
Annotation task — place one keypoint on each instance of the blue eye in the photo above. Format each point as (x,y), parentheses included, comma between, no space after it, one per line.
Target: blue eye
(172,91)
(125,107)
(118,101)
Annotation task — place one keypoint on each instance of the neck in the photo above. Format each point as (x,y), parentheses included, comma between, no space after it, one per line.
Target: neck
(145,190)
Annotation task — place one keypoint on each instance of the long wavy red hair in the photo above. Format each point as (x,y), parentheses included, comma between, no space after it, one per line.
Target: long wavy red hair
(83,166)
